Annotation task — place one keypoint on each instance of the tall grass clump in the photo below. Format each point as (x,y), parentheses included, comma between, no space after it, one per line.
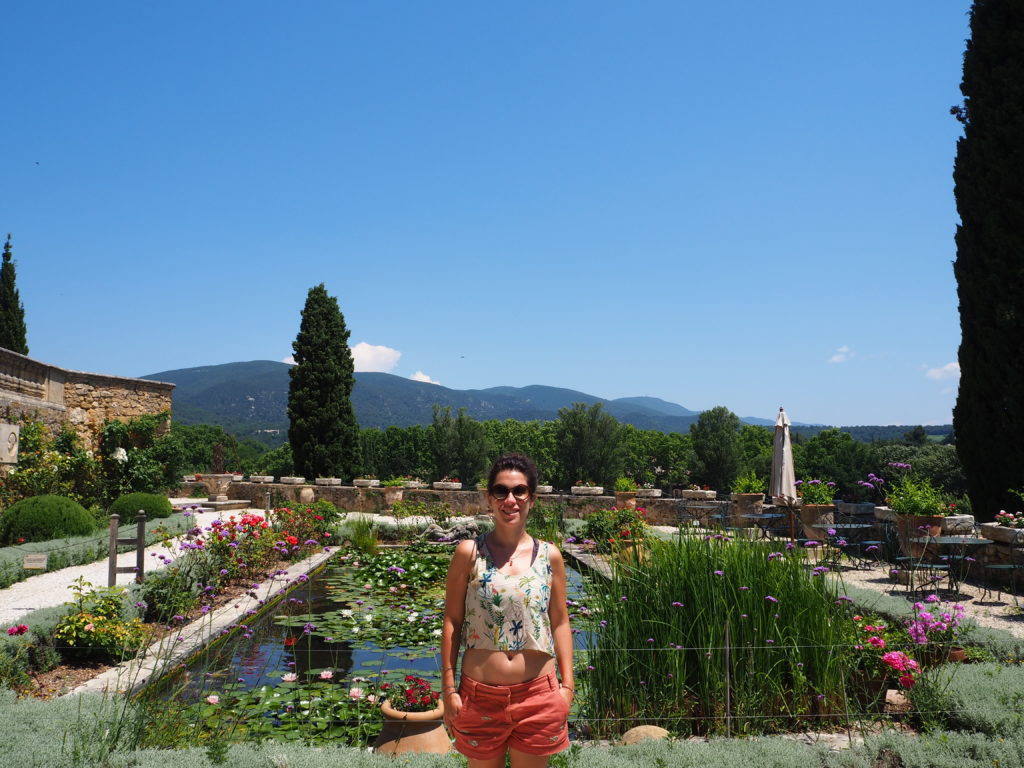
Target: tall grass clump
(695,622)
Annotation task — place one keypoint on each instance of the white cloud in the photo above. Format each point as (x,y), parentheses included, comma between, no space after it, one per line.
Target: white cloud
(367,358)
(421,376)
(947,371)
(370,357)
(842,355)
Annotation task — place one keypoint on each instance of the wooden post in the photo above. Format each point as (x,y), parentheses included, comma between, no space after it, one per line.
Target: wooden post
(112,552)
(140,547)
(728,685)
(140,550)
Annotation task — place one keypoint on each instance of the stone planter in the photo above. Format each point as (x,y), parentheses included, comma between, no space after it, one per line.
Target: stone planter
(412,731)
(816,514)
(443,485)
(625,499)
(958,525)
(545,489)
(413,484)
(328,481)
(858,511)
(293,480)
(392,494)
(587,490)
(692,494)
(261,478)
(365,482)
(1001,533)
(649,493)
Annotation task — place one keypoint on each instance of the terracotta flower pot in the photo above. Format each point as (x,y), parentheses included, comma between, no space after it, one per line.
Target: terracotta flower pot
(625,499)
(412,731)
(917,527)
(816,514)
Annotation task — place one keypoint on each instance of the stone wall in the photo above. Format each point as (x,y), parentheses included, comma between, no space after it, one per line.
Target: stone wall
(663,511)
(82,401)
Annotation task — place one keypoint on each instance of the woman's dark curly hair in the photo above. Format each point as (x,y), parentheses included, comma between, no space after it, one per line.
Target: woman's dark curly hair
(514,462)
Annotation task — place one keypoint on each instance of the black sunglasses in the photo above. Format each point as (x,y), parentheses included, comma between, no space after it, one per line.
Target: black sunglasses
(520,492)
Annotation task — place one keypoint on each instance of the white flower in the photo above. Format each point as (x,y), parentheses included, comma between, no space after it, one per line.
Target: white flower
(289,677)
(437,632)
(120,455)
(356,693)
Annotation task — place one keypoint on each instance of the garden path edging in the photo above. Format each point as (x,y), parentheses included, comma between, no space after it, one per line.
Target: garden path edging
(131,676)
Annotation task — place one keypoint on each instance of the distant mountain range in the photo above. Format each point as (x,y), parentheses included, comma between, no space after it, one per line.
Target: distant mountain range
(250,400)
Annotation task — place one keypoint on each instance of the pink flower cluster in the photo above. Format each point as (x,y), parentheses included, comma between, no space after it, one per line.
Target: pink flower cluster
(900,662)
(17,629)
(934,624)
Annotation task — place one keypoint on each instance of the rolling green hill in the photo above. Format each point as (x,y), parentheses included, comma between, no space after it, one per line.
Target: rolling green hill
(250,400)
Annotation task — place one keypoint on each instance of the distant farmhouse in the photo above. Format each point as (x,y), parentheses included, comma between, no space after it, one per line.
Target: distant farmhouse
(82,401)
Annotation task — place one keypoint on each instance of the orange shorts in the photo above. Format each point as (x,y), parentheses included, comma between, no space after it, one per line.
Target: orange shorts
(530,717)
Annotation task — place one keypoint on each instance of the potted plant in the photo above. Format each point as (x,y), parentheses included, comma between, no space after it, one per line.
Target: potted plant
(625,492)
(618,531)
(648,491)
(1008,528)
(747,498)
(366,481)
(448,484)
(937,628)
(545,488)
(413,719)
(918,508)
(816,506)
(877,663)
(413,482)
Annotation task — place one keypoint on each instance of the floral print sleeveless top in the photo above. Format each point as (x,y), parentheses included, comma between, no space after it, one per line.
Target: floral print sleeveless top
(509,613)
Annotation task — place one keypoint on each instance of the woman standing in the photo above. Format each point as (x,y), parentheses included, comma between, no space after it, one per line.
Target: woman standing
(505,604)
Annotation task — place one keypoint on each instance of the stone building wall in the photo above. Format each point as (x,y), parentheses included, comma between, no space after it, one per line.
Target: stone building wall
(82,401)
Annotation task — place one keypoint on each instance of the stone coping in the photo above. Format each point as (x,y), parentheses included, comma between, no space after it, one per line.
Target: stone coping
(132,676)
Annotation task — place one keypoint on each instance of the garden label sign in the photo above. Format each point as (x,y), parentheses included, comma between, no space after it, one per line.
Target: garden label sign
(9,434)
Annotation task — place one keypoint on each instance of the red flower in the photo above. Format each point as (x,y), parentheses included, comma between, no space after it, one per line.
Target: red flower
(290,641)
(293,540)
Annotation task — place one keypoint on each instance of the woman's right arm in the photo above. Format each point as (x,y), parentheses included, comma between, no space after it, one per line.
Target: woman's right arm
(451,630)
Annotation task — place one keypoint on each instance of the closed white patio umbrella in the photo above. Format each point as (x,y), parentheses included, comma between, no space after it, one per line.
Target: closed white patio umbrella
(782,488)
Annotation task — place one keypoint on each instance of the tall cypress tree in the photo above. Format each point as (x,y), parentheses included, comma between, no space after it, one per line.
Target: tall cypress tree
(989,267)
(323,433)
(12,313)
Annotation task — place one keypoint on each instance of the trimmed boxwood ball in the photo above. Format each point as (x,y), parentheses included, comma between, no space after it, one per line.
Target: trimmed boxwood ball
(153,504)
(42,518)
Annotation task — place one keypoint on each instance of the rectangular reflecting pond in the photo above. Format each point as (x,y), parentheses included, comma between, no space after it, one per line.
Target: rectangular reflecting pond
(309,667)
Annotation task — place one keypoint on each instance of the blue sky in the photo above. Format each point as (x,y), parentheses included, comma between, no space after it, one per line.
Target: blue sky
(738,203)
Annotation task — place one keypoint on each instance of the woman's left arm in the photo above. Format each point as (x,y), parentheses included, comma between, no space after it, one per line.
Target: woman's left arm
(558,614)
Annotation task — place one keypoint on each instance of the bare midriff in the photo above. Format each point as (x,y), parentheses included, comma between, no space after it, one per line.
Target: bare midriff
(505,667)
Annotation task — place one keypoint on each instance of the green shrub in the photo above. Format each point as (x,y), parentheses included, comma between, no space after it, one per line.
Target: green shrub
(41,518)
(153,504)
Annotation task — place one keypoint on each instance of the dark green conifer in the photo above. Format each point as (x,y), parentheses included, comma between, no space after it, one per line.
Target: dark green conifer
(323,432)
(989,267)
(12,313)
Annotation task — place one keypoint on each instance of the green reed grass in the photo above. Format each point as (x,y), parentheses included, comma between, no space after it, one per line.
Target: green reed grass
(658,654)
